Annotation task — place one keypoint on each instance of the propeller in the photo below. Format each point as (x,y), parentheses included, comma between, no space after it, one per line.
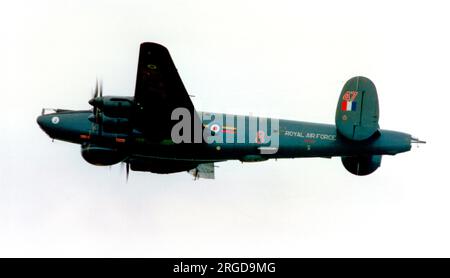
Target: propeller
(98,94)
(127,168)
(96,98)
(98,90)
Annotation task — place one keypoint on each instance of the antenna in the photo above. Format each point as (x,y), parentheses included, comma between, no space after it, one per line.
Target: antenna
(417,141)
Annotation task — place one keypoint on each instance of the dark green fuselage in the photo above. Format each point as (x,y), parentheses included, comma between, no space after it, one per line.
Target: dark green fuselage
(296,139)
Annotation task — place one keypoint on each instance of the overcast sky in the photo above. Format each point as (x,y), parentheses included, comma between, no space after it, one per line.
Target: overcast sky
(284,59)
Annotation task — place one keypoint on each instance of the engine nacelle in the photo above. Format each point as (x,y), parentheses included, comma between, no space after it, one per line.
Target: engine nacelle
(114,106)
(101,156)
(362,165)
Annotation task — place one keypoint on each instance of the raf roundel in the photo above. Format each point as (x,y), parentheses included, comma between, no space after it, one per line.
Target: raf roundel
(55,120)
(215,128)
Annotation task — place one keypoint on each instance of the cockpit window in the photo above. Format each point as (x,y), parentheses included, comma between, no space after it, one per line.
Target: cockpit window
(46,111)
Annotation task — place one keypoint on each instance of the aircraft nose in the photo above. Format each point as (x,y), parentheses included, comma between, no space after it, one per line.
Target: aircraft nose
(46,123)
(41,121)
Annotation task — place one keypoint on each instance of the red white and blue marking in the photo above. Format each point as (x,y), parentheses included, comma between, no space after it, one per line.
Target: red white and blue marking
(214,128)
(348,106)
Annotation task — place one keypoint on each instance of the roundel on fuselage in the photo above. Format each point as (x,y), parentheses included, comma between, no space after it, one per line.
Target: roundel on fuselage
(214,127)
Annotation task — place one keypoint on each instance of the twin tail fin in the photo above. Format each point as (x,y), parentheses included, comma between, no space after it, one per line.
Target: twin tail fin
(357,111)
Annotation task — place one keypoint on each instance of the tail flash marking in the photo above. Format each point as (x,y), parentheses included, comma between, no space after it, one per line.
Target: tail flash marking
(348,106)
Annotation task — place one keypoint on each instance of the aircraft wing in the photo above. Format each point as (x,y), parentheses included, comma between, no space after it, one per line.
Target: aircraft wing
(159,90)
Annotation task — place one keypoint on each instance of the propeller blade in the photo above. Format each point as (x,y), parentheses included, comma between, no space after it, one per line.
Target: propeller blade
(101,88)
(94,94)
(98,85)
(125,164)
(96,88)
(127,169)
(96,118)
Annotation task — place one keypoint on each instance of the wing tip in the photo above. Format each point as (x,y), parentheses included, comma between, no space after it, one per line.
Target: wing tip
(152,45)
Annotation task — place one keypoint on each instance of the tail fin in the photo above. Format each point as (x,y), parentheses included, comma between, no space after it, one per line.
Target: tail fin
(361,165)
(357,111)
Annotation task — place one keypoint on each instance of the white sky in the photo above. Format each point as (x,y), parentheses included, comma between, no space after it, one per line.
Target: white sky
(286,59)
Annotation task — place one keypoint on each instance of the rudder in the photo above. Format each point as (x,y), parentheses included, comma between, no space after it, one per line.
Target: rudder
(357,112)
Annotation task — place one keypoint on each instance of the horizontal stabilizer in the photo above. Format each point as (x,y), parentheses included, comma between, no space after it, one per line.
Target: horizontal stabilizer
(357,112)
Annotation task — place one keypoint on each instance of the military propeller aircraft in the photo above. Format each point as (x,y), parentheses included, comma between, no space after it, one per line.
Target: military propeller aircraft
(158,130)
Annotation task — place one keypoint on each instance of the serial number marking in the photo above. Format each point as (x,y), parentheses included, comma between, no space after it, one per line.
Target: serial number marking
(310,135)
(246,267)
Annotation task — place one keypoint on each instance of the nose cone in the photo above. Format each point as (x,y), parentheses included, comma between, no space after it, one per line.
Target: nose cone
(48,123)
(41,121)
